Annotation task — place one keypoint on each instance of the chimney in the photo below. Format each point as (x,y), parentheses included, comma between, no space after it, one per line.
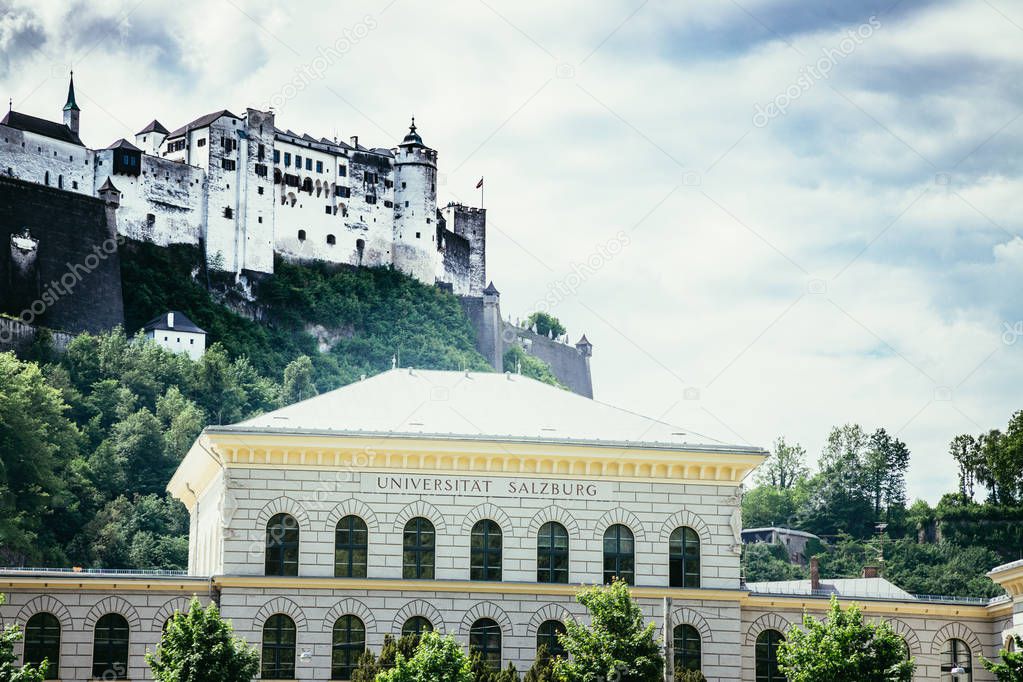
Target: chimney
(815,574)
(170,320)
(870,572)
(355,141)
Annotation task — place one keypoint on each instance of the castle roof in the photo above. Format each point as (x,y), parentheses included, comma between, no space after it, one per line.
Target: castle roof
(584,341)
(173,320)
(153,127)
(413,137)
(108,186)
(844,588)
(40,126)
(201,122)
(124,144)
(471,405)
(71,104)
(491,290)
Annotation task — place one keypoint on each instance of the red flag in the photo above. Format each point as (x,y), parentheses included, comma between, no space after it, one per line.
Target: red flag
(480,183)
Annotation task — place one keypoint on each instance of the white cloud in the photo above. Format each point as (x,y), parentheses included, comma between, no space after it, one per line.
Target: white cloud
(714,289)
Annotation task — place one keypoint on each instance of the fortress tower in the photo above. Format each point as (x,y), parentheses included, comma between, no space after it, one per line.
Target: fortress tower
(72,113)
(415,207)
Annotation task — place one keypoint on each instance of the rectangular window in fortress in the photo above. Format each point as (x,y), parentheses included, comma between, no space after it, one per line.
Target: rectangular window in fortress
(287,159)
(371,178)
(259,190)
(261,154)
(201,142)
(261,170)
(342,171)
(277,156)
(370,199)
(228,212)
(298,161)
(229,164)
(319,166)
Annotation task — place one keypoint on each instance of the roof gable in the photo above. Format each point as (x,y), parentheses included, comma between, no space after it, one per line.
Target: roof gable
(201,122)
(40,126)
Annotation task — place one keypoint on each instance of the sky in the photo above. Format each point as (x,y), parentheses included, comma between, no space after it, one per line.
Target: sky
(769,217)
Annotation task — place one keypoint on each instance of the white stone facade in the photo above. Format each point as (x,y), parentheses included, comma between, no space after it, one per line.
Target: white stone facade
(233,184)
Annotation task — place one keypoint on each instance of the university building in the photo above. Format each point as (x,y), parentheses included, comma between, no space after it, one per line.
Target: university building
(476,505)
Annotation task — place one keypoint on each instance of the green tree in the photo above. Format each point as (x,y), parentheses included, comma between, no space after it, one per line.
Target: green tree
(689,676)
(436,659)
(298,381)
(542,669)
(545,324)
(482,671)
(766,562)
(199,646)
(9,672)
(146,531)
(1010,669)
(844,648)
(766,506)
(885,462)
(370,665)
(37,442)
(616,644)
(516,359)
(785,466)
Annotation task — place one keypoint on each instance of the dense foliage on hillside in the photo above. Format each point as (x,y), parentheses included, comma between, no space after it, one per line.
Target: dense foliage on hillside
(366,316)
(89,438)
(944,550)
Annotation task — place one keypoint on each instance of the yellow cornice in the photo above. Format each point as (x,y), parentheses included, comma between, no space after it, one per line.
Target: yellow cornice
(104,584)
(466,457)
(879,608)
(1010,577)
(740,598)
(463,587)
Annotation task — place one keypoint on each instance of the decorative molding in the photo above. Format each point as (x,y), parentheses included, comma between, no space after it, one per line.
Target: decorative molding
(488,510)
(686,518)
(556,514)
(622,516)
(45,604)
(548,612)
(956,631)
(768,621)
(423,509)
(352,507)
(486,609)
(167,610)
(350,607)
(113,605)
(280,605)
(283,505)
(418,608)
(902,629)
(687,616)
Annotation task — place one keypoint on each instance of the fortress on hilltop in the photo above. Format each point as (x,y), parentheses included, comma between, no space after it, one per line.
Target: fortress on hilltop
(243,191)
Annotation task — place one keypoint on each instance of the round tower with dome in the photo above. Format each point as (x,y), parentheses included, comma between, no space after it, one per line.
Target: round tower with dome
(415,207)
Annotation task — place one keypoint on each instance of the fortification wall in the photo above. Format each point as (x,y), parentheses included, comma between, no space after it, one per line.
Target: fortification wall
(163,205)
(568,363)
(65,270)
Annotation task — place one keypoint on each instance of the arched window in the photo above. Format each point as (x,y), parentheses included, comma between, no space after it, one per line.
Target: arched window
(686,640)
(485,551)
(282,545)
(348,643)
(552,553)
(415,626)
(301,235)
(278,648)
(957,661)
(350,548)
(684,558)
(331,239)
(418,549)
(110,648)
(767,656)
(46,178)
(619,554)
(548,638)
(42,642)
(485,640)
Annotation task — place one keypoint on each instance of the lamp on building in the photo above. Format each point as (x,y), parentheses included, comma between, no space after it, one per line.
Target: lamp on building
(306,655)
